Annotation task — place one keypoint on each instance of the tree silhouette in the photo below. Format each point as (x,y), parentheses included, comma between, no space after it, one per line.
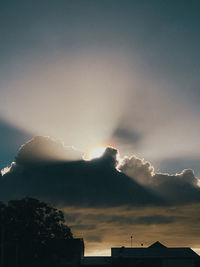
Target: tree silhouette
(29,226)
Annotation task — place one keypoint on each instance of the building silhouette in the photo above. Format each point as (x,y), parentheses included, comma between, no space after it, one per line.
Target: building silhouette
(156,255)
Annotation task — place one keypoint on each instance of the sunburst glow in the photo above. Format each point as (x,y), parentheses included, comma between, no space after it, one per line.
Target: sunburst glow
(96,152)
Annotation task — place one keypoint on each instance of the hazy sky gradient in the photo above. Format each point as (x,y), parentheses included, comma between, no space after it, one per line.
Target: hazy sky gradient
(81,71)
(94,72)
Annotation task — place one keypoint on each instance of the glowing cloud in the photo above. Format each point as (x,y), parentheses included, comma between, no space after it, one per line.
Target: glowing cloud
(95,153)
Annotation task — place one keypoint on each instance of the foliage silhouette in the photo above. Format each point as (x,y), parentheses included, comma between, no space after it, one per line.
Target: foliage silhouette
(28,229)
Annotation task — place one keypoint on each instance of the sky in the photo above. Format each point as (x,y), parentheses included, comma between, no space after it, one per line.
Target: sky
(96,73)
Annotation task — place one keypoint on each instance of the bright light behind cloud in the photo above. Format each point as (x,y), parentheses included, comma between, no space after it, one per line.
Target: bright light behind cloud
(98,151)
(95,153)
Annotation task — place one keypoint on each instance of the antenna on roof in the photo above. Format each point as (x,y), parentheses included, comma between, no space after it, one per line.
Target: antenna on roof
(131,241)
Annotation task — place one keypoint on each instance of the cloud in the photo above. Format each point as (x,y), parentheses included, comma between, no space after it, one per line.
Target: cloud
(176,189)
(42,148)
(45,168)
(127,136)
(179,188)
(124,220)
(155,219)
(139,169)
(37,172)
(174,225)
(177,164)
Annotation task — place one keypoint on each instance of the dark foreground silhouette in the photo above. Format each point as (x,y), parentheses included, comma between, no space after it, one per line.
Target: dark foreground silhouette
(34,234)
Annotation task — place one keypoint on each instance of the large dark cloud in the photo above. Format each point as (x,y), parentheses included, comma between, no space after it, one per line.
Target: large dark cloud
(93,183)
(44,168)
